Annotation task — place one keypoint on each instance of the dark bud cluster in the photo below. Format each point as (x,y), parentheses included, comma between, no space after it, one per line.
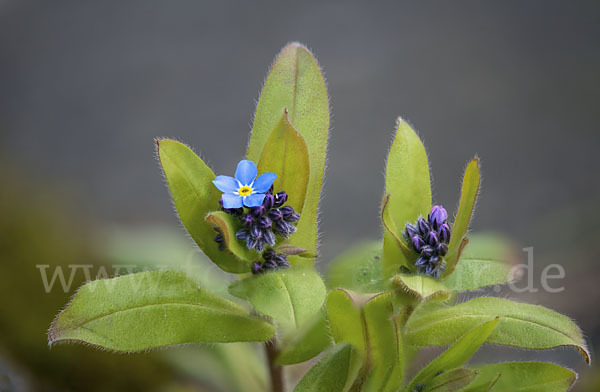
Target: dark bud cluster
(430,237)
(261,227)
(263,223)
(272,261)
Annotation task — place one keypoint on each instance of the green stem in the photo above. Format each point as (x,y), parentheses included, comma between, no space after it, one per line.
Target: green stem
(275,370)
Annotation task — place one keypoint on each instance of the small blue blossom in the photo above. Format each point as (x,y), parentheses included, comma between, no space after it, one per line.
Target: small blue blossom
(245,189)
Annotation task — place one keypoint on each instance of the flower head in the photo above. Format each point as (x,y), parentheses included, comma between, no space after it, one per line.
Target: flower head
(245,189)
(430,237)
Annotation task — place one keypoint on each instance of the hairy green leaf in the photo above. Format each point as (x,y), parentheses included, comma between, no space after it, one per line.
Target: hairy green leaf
(408,184)
(522,377)
(285,153)
(470,189)
(457,354)
(291,297)
(228,225)
(472,274)
(307,342)
(451,381)
(393,240)
(335,372)
(194,196)
(485,261)
(385,346)
(421,287)
(358,269)
(520,325)
(367,323)
(295,82)
(345,319)
(152,309)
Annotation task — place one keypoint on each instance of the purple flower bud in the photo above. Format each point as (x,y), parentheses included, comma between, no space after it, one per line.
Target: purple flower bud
(268,202)
(286,210)
(437,216)
(255,232)
(422,261)
(280,199)
(432,238)
(411,230)
(221,202)
(221,241)
(434,260)
(445,233)
(295,217)
(429,269)
(269,237)
(284,228)
(251,242)
(258,211)
(241,234)
(257,268)
(441,249)
(281,260)
(417,242)
(275,215)
(268,254)
(423,226)
(264,222)
(247,220)
(260,245)
(427,251)
(270,264)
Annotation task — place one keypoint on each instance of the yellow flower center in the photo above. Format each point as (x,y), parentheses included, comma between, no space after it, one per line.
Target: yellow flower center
(245,190)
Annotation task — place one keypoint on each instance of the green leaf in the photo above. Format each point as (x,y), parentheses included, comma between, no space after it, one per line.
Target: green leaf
(421,287)
(335,372)
(523,377)
(307,342)
(346,320)
(295,82)
(358,269)
(291,296)
(285,153)
(367,323)
(472,274)
(470,189)
(396,248)
(457,354)
(485,261)
(451,381)
(153,309)
(385,349)
(228,226)
(520,325)
(408,184)
(194,196)
(231,367)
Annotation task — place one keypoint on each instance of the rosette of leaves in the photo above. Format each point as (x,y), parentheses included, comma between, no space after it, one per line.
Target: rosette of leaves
(162,308)
(382,311)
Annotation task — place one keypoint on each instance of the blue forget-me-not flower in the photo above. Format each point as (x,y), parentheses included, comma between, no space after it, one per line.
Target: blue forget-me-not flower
(245,189)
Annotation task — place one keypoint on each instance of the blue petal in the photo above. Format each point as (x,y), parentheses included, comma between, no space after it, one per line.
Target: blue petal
(246,172)
(264,182)
(226,184)
(231,201)
(254,200)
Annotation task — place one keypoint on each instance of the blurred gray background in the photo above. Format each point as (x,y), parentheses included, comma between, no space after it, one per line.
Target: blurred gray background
(86,86)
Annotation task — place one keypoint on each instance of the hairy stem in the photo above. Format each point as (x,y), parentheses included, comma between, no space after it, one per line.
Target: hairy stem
(275,370)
